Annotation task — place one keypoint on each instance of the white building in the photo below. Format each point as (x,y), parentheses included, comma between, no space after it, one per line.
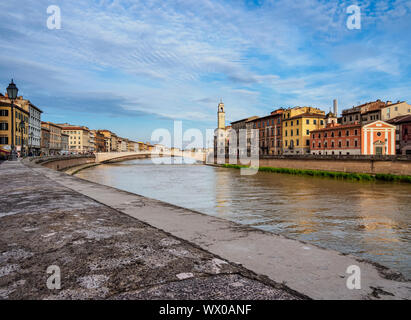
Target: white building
(34,129)
(92,141)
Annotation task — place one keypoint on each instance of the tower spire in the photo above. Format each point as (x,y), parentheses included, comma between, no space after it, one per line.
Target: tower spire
(221,115)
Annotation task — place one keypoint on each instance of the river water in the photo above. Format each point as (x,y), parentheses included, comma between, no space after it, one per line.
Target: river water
(368,219)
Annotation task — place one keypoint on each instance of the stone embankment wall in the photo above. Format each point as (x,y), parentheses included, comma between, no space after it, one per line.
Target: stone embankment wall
(353,164)
(64,162)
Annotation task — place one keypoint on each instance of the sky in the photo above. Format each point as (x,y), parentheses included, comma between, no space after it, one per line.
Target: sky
(134,66)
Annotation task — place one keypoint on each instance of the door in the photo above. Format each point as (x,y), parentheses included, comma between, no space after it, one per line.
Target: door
(378,150)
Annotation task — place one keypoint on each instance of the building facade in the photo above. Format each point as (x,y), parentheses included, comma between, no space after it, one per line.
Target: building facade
(403,134)
(378,138)
(240,127)
(20,140)
(79,138)
(55,137)
(65,149)
(375,110)
(269,133)
(100,141)
(297,124)
(336,139)
(45,142)
(34,129)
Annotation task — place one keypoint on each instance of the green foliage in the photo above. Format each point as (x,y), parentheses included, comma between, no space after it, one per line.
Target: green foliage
(330,174)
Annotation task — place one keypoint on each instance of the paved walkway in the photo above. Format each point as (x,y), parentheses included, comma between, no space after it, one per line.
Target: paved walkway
(103,253)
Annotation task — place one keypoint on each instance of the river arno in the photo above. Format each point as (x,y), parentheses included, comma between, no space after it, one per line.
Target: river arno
(368,219)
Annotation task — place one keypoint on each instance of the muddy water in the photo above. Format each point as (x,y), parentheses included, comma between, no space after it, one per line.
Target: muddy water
(368,219)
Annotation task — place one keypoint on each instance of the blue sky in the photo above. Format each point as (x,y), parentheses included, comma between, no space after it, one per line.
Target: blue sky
(135,66)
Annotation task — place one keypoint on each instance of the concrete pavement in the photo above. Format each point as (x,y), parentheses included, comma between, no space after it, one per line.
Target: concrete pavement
(102,253)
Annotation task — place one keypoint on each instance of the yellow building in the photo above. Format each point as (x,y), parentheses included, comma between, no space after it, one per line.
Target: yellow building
(296,127)
(20,134)
(79,138)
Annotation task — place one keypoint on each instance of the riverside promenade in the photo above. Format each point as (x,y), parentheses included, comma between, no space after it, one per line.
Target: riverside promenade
(102,253)
(114,244)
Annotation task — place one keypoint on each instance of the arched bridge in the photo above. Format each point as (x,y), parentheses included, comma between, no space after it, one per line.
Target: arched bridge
(122,156)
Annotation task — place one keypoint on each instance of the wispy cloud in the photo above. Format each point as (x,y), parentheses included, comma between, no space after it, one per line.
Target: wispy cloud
(176,59)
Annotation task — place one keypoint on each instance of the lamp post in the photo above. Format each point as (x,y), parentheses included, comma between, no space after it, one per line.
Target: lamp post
(22,130)
(12,91)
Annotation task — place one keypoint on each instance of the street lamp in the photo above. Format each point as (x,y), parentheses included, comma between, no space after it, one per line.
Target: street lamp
(22,130)
(12,91)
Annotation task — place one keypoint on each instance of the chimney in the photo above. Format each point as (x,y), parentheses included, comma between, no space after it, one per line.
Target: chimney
(335,107)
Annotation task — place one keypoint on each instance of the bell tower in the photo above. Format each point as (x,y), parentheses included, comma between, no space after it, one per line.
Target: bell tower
(221,115)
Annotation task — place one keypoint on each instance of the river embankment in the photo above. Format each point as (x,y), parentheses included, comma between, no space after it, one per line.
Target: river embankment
(312,271)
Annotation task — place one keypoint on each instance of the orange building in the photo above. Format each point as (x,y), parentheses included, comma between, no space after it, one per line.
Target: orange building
(378,138)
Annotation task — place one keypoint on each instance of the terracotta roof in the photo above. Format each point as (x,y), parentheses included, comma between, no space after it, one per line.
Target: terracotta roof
(307,115)
(5,104)
(74,128)
(245,119)
(366,107)
(337,127)
(400,119)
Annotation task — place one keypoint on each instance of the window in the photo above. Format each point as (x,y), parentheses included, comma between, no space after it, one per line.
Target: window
(315,121)
(332,134)
(307,121)
(3,139)
(339,133)
(298,122)
(348,143)
(313,145)
(321,122)
(286,133)
(291,132)
(297,142)
(325,134)
(379,134)
(319,135)
(5,113)
(298,132)
(307,132)
(292,123)
(347,133)
(325,144)
(339,144)
(319,144)
(355,132)
(286,143)
(356,143)
(4,126)
(307,143)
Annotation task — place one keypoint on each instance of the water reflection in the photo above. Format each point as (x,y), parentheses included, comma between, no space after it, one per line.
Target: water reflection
(370,220)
